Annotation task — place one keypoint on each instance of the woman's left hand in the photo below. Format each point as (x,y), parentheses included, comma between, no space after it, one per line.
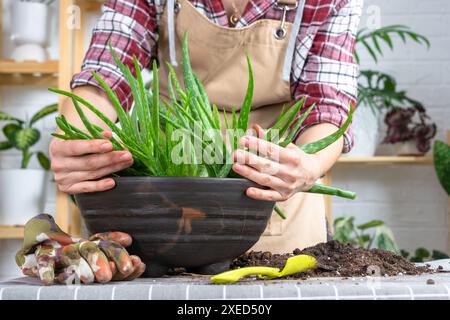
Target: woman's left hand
(285,170)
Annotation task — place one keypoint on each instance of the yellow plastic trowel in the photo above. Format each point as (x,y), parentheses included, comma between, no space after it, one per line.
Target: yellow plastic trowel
(293,265)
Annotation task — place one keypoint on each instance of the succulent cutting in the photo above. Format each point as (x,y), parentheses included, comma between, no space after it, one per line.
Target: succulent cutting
(155,129)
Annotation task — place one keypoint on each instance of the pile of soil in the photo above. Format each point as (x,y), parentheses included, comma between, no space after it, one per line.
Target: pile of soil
(337,260)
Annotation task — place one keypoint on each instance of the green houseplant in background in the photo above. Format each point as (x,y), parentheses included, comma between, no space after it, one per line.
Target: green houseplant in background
(375,234)
(22,188)
(378,91)
(372,234)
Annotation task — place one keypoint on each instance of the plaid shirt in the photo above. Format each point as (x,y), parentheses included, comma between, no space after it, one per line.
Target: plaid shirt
(323,68)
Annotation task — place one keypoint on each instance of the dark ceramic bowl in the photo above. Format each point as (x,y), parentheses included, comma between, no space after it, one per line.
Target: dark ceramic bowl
(196,223)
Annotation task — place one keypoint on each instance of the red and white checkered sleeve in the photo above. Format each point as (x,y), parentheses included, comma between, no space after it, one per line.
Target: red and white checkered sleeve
(329,74)
(131,26)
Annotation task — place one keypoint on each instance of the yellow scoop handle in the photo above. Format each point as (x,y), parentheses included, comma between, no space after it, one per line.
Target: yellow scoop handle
(293,265)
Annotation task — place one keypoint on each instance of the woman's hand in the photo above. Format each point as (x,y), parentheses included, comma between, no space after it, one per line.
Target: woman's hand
(285,171)
(78,164)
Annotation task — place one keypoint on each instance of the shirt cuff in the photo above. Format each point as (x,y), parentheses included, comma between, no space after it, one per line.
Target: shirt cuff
(118,85)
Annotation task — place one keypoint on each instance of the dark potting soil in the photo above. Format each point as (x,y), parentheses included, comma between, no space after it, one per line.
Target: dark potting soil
(337,260)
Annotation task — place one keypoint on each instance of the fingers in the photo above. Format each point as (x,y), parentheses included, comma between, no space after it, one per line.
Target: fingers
(260,178)
(97,260)
(91,162)
(76,163)
(270,150)
(107,134)
(89,186)
(122,238)
(69,178)
(74,148)
(75,265)
(138,270)
(265,195)
(45,260)
(118,255)
(261,164)
(29,267)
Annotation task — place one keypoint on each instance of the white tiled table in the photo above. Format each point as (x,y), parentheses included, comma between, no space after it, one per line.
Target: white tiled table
(199,287)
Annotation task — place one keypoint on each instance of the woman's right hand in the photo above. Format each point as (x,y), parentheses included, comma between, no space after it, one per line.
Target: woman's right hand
(79,165)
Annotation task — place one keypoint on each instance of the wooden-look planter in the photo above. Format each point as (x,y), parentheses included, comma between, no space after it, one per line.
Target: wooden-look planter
(197,223)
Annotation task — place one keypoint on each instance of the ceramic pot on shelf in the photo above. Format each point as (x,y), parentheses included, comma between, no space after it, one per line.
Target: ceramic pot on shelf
(29,31)
(407,148)
(22,193)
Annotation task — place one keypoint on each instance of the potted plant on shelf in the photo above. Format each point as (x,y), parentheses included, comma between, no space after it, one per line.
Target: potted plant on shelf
(22,189)
(410,130)
(29,29)
(188,213)
(377,91)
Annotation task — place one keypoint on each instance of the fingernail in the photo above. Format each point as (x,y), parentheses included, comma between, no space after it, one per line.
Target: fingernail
(243,140)
(106,146)
(125,157)
(109,182)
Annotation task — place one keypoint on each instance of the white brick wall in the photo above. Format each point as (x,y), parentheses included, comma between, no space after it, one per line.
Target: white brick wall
(409,199)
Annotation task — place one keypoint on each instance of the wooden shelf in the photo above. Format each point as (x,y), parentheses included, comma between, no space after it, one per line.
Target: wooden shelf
(11,232)
(387,160)
(28,67)
(29,73)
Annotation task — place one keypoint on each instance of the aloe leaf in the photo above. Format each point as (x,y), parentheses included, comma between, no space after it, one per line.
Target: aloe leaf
(189,79)
(86,122)
(247,104)
(97,112)
(121,114)
(317,146)
(285,120)
(297,126)
(322,189)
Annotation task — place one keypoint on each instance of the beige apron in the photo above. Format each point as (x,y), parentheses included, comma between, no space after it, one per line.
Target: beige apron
(218,58)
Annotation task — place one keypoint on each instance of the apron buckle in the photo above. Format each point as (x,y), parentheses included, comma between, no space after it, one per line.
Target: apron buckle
(280,32)
(177,6)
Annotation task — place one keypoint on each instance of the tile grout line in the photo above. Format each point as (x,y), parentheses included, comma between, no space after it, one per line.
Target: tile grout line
(261,293)
(410,292)
(75,293)
(187,292)
(1,292)
(150,291)
(224,292)
(374,293)
(336,293)
(38,295)
(299,292)
(113,293)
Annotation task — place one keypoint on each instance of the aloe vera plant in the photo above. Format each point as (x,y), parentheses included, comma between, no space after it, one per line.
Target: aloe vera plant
(21,135)
(148,131)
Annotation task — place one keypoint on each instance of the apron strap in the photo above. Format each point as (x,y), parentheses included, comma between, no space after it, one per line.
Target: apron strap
(171,32)
(289,57)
